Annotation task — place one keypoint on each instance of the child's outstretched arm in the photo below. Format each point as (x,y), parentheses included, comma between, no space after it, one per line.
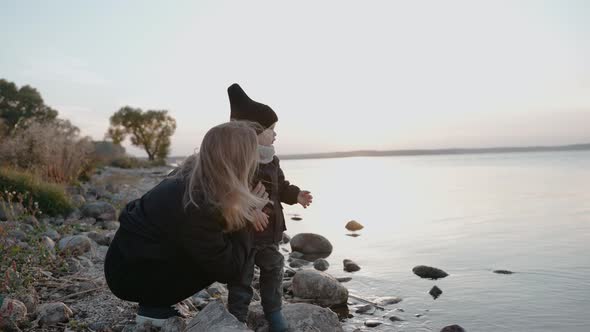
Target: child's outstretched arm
(289,193)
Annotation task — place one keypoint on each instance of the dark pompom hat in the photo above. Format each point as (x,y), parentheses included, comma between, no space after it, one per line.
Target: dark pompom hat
(244,108)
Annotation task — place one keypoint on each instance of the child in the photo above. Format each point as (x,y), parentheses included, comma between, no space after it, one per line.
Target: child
(267,255)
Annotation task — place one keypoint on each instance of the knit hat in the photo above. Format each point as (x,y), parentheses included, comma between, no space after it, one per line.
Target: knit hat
(244,108)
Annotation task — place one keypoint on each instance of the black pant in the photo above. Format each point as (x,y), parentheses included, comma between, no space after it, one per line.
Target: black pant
(270,261)
(151,282)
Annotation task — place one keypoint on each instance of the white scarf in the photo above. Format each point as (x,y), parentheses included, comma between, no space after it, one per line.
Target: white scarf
(265,153)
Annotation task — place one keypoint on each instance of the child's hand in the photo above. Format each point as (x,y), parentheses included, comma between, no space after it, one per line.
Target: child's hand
(260,220)
(304,198)
(260,191)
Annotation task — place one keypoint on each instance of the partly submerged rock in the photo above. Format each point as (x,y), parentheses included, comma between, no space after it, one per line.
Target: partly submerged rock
(350,266)
(429,272)
(435,292)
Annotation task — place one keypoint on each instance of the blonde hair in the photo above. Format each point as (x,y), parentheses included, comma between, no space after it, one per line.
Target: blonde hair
(223,171)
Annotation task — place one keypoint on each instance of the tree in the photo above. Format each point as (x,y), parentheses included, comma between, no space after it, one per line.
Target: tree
(18,107)
(150,130)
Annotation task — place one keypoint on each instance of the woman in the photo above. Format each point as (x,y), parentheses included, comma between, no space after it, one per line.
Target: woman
(191,229)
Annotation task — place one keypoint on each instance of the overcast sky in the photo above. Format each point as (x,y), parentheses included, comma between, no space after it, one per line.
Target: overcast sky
(341,75)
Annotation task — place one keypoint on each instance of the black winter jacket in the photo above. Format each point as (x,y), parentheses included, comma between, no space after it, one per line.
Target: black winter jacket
(158,227)
(279,190)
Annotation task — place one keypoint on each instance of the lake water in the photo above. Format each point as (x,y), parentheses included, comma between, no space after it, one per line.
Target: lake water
(468,215)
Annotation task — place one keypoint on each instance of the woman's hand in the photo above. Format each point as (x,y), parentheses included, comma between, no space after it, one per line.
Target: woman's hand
(304,198)
(260,220)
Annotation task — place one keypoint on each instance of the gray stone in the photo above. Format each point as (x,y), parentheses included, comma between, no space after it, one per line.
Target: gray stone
(53,313)
(215,318)
(309,243)
(344,279)
(77,244)
(78,200)
(366,309)
(372,323)
(350,266)
(452,328)
(395,319)
(12,313)
(99,210)
(100,238)
(57,221)
(503,272)
(320,287)
(301,317)
(52,234)
(174,324)
(429,272)
(387,300)
(100,327)
(111,225)
(17,234)
(321,264)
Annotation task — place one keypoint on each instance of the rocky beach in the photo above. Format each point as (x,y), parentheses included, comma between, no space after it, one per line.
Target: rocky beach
(67,291)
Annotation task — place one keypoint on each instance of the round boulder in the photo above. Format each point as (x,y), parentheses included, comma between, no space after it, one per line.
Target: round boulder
(77,244)
(54,313)
(320,287)
(99,210)
(311,244)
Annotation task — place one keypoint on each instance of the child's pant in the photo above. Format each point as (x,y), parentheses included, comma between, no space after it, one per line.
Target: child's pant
(270,261)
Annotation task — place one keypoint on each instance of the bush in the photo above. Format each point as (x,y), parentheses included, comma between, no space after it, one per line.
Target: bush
(51,150)
(132,162)
(51,198)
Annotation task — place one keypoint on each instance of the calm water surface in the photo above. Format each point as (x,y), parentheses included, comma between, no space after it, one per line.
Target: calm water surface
(469,215)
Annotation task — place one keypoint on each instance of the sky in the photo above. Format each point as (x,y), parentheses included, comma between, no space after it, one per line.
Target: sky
(341,75)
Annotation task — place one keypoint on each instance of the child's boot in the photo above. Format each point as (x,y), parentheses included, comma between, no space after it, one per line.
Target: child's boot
(277,321)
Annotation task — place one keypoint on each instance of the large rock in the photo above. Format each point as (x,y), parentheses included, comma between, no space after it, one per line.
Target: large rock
(12,313)
(320,287)
(174,324)
(311,244)
(429,272)
(53,313)
(99,211)
(301,317)
(215,318)
(77,244)
(103,239)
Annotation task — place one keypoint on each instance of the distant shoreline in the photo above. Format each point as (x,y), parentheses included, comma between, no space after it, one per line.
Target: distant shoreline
(429,152)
